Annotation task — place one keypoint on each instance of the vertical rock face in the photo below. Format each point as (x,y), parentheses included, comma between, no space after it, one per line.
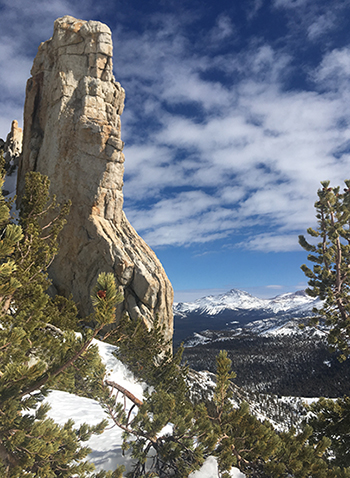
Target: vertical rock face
(72,134)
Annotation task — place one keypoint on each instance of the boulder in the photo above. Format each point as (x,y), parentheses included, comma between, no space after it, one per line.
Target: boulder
(72,135)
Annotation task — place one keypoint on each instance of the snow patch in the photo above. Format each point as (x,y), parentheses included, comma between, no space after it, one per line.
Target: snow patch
(106,449)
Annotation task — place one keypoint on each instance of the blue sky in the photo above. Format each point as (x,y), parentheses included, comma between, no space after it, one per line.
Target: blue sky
(235,111)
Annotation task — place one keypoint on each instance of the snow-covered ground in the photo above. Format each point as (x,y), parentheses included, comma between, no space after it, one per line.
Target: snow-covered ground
(106,448)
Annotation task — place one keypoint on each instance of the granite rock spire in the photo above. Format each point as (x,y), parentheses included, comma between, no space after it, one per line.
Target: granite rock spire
(72,134)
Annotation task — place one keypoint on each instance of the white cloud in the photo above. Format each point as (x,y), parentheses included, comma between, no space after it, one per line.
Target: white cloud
(14,71)
(265,154)
(334,70)
(206,157)
(188,217)
(321,26)
(24,25)
(253,7)
(272,243)
(185,205)
(289,3)
(223,29)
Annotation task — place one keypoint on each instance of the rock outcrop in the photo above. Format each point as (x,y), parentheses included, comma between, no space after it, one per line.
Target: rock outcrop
(12,147)
(72,134)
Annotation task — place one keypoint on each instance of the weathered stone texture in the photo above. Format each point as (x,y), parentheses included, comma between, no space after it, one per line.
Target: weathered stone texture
(72,134)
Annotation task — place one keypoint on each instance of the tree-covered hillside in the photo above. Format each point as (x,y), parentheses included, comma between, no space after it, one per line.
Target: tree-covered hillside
(296,364)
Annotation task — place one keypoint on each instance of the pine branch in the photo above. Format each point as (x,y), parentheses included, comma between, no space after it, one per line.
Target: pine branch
(52,374)
(54,220)
(131,431)
(4,346)
(118,422)
(130,411)
(324,242)
(238,456)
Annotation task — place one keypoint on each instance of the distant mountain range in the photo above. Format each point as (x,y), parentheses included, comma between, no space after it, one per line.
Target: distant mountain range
(270,353)
(236,309)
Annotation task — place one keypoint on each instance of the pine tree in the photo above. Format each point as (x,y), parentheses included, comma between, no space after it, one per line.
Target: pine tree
(195,430)
(163,435)
(331,419)
(39,346)
(255,447)
(11,234)
(170,433)
(145,351)
(329,279)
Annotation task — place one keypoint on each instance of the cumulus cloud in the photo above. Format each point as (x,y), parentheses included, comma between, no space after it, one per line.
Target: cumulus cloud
(216,141)
(272,243)
(257,150)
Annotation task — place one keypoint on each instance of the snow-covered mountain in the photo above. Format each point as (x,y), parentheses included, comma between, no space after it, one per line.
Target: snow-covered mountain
(236,309)
(239,300)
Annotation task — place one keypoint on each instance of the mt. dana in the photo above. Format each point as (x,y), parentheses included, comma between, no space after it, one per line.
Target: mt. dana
(236,309)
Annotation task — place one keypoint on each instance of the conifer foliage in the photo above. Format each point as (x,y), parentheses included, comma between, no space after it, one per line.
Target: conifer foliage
(171,432)
(331,419)
(329,279)
(11,234)
(162,430)
(39,347)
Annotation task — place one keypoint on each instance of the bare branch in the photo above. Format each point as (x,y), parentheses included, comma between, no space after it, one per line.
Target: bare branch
(125,392)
